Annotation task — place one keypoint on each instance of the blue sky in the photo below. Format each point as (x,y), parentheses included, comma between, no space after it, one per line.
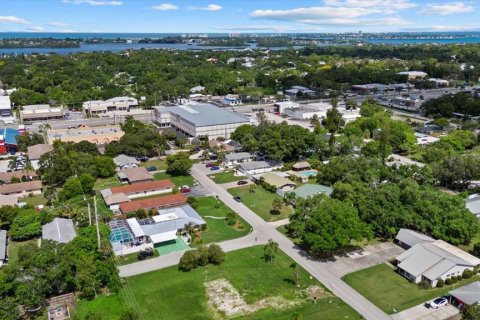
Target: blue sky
(279,16)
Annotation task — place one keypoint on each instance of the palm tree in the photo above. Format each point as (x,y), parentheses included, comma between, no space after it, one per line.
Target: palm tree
(277,205)
(12,164)
(44,128)
(290,198)
(270,250)
(28,167)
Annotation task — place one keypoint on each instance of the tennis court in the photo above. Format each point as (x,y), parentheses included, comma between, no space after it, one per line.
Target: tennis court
(171,246)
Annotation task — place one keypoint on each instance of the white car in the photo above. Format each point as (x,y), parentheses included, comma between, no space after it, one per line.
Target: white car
(439,302)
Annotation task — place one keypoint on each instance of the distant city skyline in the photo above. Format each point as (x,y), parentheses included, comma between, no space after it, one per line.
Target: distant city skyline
(230,16)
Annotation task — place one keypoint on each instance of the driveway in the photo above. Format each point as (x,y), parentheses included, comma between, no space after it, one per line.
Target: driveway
(234,184)
(421,312)
(362,259)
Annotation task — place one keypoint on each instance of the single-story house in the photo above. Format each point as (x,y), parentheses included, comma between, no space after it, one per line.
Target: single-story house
(7,177)
(116,195)
(295,90)
(156,203)
(302,165)
(124,162)
(407,238)
(423,139)
(3,247)
(473,204)
(134,175)
(310,190)
(9,200)
(35,152)
(432,261)
(282,184)
(60,230)
(197,89)
(232,159)
(255,167)
(468,295)
(159,229)
(22,189)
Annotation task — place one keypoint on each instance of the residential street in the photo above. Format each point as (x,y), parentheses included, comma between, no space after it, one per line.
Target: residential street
(264,231)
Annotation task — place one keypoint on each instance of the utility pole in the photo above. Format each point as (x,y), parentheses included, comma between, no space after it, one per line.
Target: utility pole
(96,221)
(89,213)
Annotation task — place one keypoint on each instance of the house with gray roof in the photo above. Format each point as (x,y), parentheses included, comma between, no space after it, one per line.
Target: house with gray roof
(256,167)
(468,295)
(310,190)
(431,261)
(60,230)
(407,238)
(3,247)
(125,162)
(233,159)
(199,120)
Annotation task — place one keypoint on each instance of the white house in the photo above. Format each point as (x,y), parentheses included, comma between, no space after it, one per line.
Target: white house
(282,184)
(256,167)
(431,260)
(233,159)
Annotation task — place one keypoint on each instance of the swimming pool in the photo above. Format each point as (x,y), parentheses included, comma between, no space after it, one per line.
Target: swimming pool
(307,173)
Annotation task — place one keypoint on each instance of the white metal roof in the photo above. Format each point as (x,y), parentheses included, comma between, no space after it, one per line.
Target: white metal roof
(162,237)
(135,226)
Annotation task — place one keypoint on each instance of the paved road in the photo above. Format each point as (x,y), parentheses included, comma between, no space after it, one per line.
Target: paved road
(262,232)
(317,269)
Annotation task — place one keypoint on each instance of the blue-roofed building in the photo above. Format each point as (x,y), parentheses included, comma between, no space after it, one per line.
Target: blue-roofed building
(8,139)
(200,120)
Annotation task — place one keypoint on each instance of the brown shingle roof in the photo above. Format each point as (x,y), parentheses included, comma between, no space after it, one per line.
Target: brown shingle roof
(143,186)
(19,187)
(36,151)
(7,176)
(157,202)
(136,174)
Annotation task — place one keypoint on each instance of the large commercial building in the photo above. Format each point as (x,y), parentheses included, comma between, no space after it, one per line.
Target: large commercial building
(200,120)
(40,112)
(114,104)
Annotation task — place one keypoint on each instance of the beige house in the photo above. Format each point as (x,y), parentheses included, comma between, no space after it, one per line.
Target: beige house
(135,175)
(39,112)
(22,189)
(96,135)
(36,151)
(282,184)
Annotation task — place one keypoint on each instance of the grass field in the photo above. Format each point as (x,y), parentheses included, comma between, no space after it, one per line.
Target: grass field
(260,202)
(101,184)
(177,180)
(218,229)
(35,200)
(388,290)
(14,248)
(225,177)
(104,307)
(161,294)
(161,164)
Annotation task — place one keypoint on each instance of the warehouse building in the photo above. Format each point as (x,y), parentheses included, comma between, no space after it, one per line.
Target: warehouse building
(114,104)
(41,112)
(199,120)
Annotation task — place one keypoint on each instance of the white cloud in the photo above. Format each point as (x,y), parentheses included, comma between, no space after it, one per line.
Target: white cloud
(36,29)
(57,24)
(210,7)
(165,7)
(269,28)
(447,8)
(13,19)
(95,2)
(387,5)
(444,28)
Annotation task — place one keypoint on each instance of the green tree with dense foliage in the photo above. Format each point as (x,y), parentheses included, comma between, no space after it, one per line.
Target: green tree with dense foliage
(179,164)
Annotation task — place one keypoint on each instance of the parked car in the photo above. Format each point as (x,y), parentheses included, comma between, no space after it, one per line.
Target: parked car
(185,189)
(237,198)
(142,158)
(152,168)
(142,255)
(214,168)
(438,303)
(209,164)
(242,182)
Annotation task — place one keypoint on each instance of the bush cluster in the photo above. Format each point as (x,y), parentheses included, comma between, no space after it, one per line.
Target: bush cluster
(202,256)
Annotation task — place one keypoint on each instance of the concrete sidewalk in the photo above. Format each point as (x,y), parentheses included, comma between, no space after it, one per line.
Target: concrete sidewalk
(421,312)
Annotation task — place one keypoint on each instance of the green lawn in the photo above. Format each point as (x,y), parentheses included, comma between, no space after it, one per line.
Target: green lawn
(177,180)
(105,306)
(35,200)
(14,248)
(225,177)
(161,164)
(388,290)
(107,183)
(218,229)
(260,202)
(161,294)
(131,258)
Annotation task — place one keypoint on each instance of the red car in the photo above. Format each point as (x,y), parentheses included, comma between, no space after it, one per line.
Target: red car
(185,189)
(210,164)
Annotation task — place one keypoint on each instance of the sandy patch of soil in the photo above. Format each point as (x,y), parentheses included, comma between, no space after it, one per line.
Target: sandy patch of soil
(226,299)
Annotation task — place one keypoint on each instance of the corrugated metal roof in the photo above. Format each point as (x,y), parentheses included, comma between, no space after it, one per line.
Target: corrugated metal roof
(469,294)
(411,237)
(60,230)
(310,190)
